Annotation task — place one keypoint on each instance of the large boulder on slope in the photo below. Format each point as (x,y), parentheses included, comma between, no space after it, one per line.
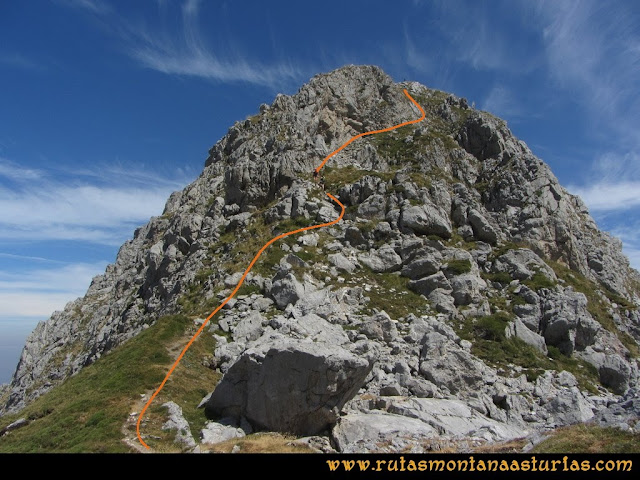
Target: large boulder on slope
(289,386)
(426,219)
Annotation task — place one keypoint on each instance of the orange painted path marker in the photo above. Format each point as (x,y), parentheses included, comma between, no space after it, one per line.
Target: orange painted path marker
(255,259)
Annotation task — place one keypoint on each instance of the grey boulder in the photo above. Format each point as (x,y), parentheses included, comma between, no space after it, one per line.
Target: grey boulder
(378,431)
(426,220)
(383,260)
(448,365)
(289,385)
(518,329)
(215,432)
(569,407)
(428,284)
(287,290)
(341,262)
(177,422)
(482,229)
(522,263)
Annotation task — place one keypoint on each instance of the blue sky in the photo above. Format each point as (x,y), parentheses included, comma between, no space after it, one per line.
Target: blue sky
(109,106)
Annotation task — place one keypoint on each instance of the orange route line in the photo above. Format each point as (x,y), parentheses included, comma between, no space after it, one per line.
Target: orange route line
(264,247)
(376,131)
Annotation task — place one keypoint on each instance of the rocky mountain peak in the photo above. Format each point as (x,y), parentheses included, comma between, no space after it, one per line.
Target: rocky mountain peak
(462,275)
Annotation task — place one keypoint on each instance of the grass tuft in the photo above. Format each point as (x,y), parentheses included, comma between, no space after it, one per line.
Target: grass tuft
(539,281)
(585,438)
(490,344)
(458,267)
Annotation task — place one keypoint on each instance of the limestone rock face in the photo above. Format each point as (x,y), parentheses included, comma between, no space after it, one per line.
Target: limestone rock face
(566,323)
(569,407)
(215,432)
(178,423)
(520,330)
(623,413)
(417,425)
(481,227)
(428,284)
(522,264)
(459,275)
(426,220)
(382,260)
(289,386)
(287,290)
(450,366)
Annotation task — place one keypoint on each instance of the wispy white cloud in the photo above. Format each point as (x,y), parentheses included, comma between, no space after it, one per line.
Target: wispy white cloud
(74,278)
(41,292)
(612,184)
(120,174)
(603,197)
(501,101)
(19,61)
(16,304)
(475,35)
(592,56)
(89,213)
(174,60)
(94,6)
(111,236)
(629,233)
(611,193)
(31,295)
(185,52)
(190,56)
(30,258)
(633,254)
(102,208)
(612,167)
(485,49)
(14,171)
(592,52)
(414,57)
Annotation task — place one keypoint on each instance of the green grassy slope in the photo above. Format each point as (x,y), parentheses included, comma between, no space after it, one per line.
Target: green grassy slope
(87,412)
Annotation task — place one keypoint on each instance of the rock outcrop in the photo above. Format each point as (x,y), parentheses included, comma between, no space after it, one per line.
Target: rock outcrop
(178,423)
(288,385)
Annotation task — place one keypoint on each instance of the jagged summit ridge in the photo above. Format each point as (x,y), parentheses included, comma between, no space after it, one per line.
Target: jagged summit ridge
(451,224)
(295,133)
(333,107)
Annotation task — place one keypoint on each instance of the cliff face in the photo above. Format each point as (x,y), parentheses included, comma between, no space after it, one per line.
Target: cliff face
(459,250)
